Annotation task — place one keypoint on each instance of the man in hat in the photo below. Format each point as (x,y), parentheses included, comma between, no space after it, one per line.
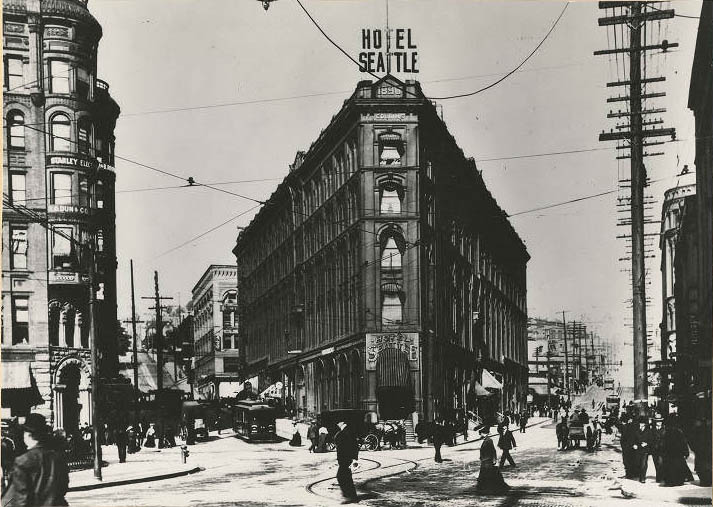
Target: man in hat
(506,442)
(347,453)
(658,435)
(40,477)
(642,448)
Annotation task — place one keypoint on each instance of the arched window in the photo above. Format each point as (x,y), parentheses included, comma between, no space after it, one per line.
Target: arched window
(390,148)
(16,124)
(60,127)
(84,130)
(391,195)
(390,254)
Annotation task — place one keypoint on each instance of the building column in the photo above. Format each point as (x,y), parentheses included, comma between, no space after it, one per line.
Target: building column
(77,329)
(62,332)
(84,400)
(58,408)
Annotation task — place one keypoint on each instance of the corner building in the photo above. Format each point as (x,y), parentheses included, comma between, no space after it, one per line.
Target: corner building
(382,274)
(58,171)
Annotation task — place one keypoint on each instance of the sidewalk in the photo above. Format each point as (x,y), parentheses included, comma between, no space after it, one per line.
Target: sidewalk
(143,466)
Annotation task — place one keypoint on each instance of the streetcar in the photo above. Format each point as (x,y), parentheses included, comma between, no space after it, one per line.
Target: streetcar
(254,421)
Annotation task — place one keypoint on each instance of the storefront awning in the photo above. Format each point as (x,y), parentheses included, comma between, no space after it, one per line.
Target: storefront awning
(478,389)
(18,385)
(490,381)
(539,389)
(392,368)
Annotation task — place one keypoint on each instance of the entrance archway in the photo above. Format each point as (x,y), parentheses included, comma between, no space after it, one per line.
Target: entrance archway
(71,395)
(393,392)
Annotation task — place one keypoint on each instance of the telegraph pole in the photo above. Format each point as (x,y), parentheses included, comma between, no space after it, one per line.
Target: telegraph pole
(135,346)
(158,339)
(566,359)
(94,367)
(636,17)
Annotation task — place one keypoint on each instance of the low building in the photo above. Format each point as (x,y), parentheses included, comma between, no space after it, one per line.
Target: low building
(216,348)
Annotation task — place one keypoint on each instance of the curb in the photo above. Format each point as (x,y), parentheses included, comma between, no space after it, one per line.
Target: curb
(137,480)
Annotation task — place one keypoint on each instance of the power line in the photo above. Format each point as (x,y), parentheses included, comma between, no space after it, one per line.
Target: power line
(450,96)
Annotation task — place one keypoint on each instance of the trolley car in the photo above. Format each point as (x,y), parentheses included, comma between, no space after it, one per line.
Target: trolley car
(254,421)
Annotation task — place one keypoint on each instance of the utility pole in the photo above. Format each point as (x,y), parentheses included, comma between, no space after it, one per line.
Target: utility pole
(94,360)
(635,15)
(135,346)
(566,360)
(158,339)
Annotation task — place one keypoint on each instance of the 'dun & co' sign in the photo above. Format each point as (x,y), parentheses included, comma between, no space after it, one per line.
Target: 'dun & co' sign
(403,53)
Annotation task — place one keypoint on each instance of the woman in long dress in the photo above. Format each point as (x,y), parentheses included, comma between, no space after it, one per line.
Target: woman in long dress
(490,479)
(150,440)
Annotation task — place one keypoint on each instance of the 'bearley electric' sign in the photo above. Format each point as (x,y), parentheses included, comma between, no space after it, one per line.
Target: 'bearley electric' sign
(376,342)
(372,58)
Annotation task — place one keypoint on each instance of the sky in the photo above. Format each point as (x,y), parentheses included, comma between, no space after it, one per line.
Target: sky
(254,87)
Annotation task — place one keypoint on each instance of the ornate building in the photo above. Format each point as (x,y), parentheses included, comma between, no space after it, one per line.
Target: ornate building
(215,333)
(382,274)
(58,171)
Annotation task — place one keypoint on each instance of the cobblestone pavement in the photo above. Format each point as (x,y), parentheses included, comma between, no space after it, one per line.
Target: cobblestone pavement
(251,475)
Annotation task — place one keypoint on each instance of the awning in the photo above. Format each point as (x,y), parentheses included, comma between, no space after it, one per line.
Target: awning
(490,381)
(18,385)
(539,389)
(478,390)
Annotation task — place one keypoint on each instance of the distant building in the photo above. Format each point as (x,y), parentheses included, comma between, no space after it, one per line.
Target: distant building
(215,333)
(382,274)
(58,177)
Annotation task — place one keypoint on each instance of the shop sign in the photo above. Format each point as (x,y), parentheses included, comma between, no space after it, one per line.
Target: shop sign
(69,160)
(66,208)
(386,117)
(376,342)
(388,50)
(65,277)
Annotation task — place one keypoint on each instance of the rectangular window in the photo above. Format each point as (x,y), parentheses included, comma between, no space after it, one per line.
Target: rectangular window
(83,82)
(62,189)
(20,319)
(83,138)
(84,192)
(19,247)
(100,240)
(227,342)
(17,188)
(14,77)
(99,191)
(391,309)
(59,76)
(62,247)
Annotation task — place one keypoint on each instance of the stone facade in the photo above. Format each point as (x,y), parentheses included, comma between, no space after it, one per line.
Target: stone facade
(58,171)
(382,274)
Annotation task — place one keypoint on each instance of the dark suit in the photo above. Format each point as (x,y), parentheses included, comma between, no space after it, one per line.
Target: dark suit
(347,451)
(506,442)
(40,477)
(642,441)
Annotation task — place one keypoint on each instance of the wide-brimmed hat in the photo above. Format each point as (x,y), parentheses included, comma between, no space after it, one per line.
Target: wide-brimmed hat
(658,418)
(36,425)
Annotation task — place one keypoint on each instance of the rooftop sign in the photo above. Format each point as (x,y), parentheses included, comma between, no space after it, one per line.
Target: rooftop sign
(378,53)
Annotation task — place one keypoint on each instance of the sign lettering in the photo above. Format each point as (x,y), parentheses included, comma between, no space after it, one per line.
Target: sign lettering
(378,55)
(375,343)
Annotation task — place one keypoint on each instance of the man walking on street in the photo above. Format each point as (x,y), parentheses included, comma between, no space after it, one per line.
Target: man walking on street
(628,454)
(40,477)
(658,434)
(523,421)
(642,447)
(506,442)
(438,439)
(347,453)
(122,441)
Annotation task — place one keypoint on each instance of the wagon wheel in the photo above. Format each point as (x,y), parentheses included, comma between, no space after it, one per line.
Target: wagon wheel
(371,442)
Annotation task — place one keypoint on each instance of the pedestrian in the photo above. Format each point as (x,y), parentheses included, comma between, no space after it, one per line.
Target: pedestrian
(132,439)
(122,441)
(347,455)
(628,453)
(296,437)
(701,444)
(490,478)
(523,422)
(593,404)
(438,439)
(562,432)
(658,434)
(40,476)
(641,446)
(675,449)
(312,436)
(322,435)
(506,442)
(150,440)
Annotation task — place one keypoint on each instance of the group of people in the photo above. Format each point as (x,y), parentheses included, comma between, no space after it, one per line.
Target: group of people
(665,442)
(490,478)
